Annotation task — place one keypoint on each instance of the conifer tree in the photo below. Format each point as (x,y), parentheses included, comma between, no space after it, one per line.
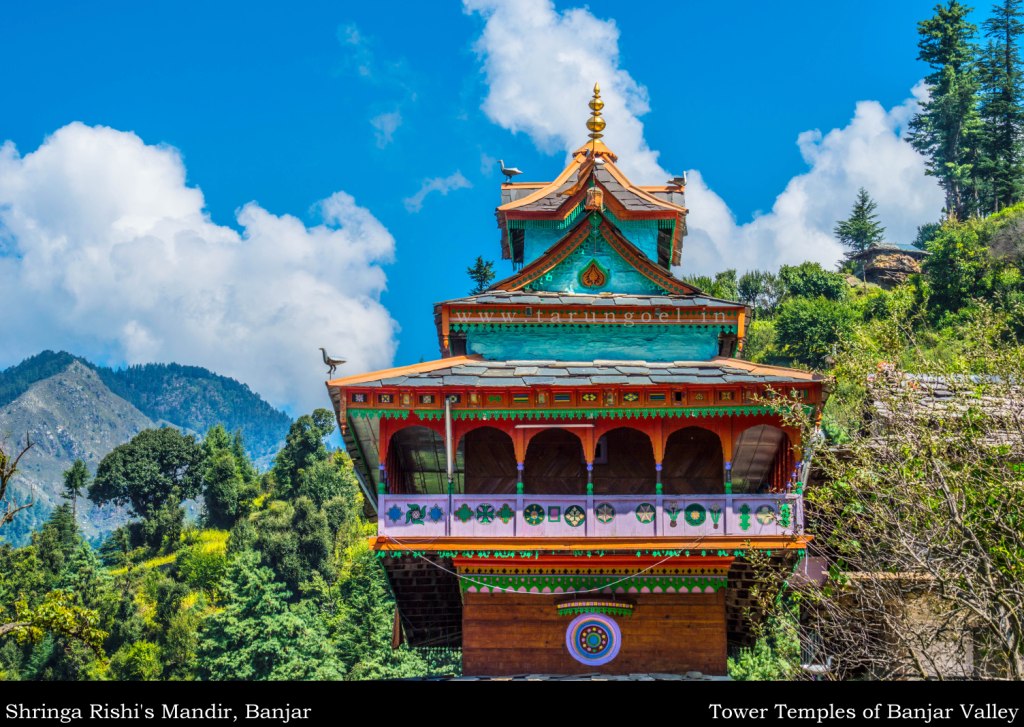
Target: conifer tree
(1002,115)
(946,130)
(861,229)
(76,481)
(482,273)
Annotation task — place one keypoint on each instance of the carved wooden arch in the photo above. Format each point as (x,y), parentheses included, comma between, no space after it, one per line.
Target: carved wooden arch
(390,427)
(586,437)
(651,428)
(463,427)
(722,428)
(741,425)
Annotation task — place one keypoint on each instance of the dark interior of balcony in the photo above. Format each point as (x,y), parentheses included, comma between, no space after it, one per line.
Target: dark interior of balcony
(624,463)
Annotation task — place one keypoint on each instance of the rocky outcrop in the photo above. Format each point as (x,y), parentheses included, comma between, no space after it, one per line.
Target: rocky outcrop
(71,415)
(890,268)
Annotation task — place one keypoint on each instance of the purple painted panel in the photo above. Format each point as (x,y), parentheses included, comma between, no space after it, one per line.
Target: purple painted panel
(553,516)
(413,516)
(684,517)
(754,515)
(624,517)
(483,516)
(600,516)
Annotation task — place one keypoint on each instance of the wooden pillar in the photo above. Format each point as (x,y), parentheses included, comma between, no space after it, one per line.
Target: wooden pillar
(589,446)
(519,444)
(385,433)
(656,433)
(726,436)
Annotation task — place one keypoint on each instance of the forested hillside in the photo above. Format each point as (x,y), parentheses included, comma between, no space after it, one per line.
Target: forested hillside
(275,582)
(72,409)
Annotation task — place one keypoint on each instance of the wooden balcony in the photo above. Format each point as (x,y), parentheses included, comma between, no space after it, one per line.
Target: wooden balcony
(600,517)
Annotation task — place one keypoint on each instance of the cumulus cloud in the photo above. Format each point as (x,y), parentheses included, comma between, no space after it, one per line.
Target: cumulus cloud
(385,126)
(104,250)
(441,185)
(540,64)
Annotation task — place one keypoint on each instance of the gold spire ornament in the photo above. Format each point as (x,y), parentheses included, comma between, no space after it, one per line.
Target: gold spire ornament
(596,124)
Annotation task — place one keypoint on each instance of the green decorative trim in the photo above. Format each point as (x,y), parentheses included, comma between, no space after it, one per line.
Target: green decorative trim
(785,514)
(506,513)
(611,608)
(464,513)
(558,414)
(745,517)
(563,224)
(585,582)
(383,413)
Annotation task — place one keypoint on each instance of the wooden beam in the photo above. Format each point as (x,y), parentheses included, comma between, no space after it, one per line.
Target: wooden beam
(780,542)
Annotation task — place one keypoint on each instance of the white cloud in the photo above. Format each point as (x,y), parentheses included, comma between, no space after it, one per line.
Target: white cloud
(106,252)
(442,185)
(385,126)
(540,65)
(488,164)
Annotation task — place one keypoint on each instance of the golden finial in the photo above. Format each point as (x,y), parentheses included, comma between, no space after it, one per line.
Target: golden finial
(596,123)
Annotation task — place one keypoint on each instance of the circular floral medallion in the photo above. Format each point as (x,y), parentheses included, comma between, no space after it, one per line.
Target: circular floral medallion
(695,515)
(575,515)
(593,638)
(765,515)
(645,512)
(533,514)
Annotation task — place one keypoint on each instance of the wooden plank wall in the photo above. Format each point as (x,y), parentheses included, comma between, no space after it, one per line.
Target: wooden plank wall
(504,634)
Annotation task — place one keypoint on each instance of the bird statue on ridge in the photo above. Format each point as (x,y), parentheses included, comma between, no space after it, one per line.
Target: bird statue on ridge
(332,363)
(509,172)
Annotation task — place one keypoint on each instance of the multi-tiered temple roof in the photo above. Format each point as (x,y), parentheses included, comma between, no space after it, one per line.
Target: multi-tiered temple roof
(590,404)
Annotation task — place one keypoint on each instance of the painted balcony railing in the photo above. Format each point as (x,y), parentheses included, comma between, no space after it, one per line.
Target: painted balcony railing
(592,516)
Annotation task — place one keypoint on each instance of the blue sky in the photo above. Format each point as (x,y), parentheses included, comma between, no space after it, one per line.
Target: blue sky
(273,110)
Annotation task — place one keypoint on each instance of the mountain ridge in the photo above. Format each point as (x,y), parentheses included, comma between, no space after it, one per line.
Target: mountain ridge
(73,409)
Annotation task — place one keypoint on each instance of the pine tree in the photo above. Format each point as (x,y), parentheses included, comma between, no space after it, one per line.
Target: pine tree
(76,481)
(947,128)
(861,229)
(1002,115)
(481,273)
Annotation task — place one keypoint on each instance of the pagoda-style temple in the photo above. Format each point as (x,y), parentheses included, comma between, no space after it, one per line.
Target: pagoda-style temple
(572,486)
